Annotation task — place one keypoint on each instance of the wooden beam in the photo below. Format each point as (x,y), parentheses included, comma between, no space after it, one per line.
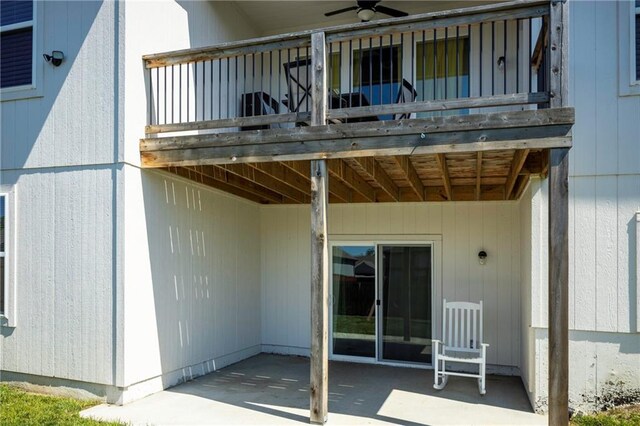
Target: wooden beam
(444,170)
(521,184)
(559,288)
(404,162)
(541,44)
(267,181)
(346,174)
(337,188)
(222,175)
(478,174)
(516,165)
(198,174)
(510,130)
(481,124)
(285,175)
(373,169)
(558,225)
(319,381)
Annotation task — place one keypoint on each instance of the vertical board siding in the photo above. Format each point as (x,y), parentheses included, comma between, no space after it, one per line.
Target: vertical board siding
(607,126)
(63,275)
(192,275)
(465,229)
(73,122)
(603,273)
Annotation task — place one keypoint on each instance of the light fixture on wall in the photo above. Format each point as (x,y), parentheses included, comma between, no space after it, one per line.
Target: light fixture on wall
(482,257)
(55,58)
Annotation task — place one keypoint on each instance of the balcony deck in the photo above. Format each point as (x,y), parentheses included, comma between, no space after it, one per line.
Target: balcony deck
(453,105)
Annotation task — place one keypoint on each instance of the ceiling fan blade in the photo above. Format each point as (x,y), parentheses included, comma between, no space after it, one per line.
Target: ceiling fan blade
(346,9)
(391,12)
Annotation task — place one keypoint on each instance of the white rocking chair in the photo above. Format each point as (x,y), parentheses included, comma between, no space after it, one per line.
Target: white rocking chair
(461,342)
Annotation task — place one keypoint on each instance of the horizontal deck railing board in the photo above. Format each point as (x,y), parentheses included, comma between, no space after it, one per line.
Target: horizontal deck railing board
(440,105)
(229,122)
(514,119)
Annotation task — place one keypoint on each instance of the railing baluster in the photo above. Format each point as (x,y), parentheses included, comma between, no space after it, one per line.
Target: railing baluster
(446,61)
(504,74)
(158,95)
(164,73)
(370,71)
(480,50)
(330,70)
(308,78)
(350,67)
(173,93)
(457,61)
(360,79)
(228,86)
(381,67)
(493,58)
(529,58)
(435,63)
(390,67)
(518,56)
(424,65)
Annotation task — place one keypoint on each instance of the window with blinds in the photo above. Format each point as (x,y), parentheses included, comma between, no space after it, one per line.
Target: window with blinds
(16,39)
(637,39)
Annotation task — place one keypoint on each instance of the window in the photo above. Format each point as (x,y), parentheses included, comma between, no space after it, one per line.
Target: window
(7,281)
(3,253)
(629,47)
(451,64)
(17,41)
(637,38)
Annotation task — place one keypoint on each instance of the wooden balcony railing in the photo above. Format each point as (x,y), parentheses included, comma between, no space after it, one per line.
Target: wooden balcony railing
(491,58)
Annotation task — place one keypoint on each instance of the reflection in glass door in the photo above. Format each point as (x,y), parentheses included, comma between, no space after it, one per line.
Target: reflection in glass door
(405,322)
(354,296)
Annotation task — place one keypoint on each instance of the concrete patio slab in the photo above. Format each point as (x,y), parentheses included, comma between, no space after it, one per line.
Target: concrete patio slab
(272,389)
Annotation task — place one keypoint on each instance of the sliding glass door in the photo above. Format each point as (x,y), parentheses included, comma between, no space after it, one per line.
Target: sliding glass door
(354,297)
(405,312)
(381,302)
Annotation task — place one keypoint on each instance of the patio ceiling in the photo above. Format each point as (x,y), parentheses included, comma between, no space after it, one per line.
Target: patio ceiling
(276,17)
(458,176)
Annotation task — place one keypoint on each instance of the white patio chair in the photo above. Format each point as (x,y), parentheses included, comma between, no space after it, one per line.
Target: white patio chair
(461,342)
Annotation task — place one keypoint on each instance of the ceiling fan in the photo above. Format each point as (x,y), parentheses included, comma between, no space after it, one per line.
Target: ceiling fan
(366,10)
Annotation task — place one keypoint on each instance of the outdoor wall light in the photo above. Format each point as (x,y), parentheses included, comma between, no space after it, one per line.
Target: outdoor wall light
(55,58)
(366,14)
(482,257)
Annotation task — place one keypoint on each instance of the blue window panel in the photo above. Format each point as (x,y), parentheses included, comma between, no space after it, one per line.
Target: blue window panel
(16,57)
(638,46)
(12,12)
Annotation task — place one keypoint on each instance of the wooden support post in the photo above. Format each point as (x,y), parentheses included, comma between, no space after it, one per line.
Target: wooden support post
(558,226)
(319,381)
(559,288)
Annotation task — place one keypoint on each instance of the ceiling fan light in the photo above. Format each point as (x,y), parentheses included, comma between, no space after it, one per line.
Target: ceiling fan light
(365,14)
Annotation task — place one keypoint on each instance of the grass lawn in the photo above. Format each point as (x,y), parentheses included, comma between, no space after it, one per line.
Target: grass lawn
(621,416)
(18,407)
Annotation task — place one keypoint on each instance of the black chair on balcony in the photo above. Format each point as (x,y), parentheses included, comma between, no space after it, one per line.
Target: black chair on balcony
(258,103)
(406,94)
(299,85)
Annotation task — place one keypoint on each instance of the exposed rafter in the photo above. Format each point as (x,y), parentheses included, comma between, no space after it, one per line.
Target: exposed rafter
(446,180)
(478,174)
(411,175)
(518,161)
(374,171)
(341,170)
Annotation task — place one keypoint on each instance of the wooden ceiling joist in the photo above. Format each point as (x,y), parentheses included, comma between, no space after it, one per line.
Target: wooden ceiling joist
(518,161)
(411,175)
(374,171)
(336,187)
(266,180)
(478,174)
(341,170)
(446,180)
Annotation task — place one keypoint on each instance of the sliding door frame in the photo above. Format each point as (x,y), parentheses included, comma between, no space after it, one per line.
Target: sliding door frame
(435,241)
